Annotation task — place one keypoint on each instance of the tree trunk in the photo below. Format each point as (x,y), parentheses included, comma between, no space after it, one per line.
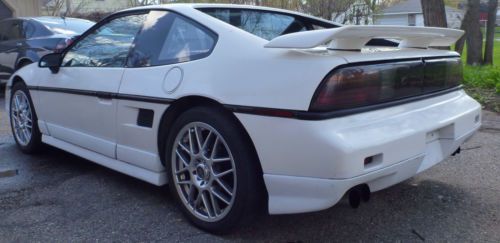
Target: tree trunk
(434,13)
(474,36)
(68,8)
(490,32)
(459,46)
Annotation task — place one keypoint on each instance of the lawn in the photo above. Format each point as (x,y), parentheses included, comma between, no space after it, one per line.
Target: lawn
(483,82)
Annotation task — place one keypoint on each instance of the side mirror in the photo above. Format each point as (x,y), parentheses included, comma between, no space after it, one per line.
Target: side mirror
(52,61)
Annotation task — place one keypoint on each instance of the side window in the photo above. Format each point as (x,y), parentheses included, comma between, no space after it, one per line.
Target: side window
(28,29)
(12,30)
(169,38)
(32,29)
(107,46)
(3,30)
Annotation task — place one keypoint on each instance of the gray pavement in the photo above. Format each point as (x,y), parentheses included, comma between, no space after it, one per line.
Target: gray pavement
(58,197)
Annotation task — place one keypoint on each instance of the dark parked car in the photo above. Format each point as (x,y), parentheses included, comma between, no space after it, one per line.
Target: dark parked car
(25,40)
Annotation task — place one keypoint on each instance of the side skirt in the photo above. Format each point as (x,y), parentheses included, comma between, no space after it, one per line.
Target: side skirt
(155,178)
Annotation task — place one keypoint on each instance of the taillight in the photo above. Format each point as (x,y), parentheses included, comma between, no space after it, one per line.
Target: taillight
(62,45)
(441,73)
(364,85)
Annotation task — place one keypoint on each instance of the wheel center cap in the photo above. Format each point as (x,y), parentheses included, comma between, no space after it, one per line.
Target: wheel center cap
(203,172)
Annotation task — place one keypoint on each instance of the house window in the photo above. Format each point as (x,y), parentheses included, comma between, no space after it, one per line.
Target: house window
(412,19)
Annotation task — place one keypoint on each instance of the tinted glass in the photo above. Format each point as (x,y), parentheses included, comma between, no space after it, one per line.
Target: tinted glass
(267,25)
(66,26)
(12,30)
(33,29)
(169,38)
(3,30)
(364,85)
(28,29)
(442,73)
(107,46)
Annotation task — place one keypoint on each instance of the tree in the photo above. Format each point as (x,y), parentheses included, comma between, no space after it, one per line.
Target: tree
(53,8)
(459,46)
(327,8)
(474,37)
(135,3)
(490,31)
(64,7)
(70,10)
(434,13)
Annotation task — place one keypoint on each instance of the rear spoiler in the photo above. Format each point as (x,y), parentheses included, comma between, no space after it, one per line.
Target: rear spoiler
(355,37)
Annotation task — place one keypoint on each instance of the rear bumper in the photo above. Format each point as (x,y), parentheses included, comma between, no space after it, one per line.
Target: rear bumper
(309,165)
(313,194)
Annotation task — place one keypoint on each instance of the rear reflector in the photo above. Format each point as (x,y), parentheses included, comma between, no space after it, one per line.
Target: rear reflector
(363,85)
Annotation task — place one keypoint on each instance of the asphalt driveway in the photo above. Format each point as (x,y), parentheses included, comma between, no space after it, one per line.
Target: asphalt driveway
(58,197)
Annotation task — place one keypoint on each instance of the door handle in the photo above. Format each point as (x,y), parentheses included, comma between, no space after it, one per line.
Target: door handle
(19,44)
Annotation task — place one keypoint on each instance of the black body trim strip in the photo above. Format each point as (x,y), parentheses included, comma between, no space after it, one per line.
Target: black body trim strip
(310,115)
(104,95)
(144,99)
(71,91)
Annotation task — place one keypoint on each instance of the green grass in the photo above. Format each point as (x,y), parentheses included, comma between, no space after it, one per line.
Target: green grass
(483,82)
(496,48)
(487,77)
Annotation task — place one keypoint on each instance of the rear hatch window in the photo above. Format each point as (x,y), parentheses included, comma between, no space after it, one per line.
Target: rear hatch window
(265,24)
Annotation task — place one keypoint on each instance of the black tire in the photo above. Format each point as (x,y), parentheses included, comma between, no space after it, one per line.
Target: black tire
(35,142)
(2,89)
(249,199)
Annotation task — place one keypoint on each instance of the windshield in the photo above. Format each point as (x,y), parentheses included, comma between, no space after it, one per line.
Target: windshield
(66,26)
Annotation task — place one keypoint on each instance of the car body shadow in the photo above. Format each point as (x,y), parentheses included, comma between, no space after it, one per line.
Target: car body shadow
(405,212)
(86,191)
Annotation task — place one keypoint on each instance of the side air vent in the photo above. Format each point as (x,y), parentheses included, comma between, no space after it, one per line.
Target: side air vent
(145,118)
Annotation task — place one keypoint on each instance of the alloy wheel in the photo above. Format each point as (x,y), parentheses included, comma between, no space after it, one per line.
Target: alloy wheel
(204,171)
(21,117)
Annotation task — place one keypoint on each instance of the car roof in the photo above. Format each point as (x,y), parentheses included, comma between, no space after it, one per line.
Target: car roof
(45,18)
(179,6)
(49,18)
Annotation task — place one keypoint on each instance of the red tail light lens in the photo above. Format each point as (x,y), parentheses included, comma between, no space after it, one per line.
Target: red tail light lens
(357,86)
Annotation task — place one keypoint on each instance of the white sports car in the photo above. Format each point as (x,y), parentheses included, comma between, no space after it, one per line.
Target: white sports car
(242,108)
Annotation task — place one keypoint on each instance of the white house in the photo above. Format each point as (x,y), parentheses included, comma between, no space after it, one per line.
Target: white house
(409,13)
(18,8)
